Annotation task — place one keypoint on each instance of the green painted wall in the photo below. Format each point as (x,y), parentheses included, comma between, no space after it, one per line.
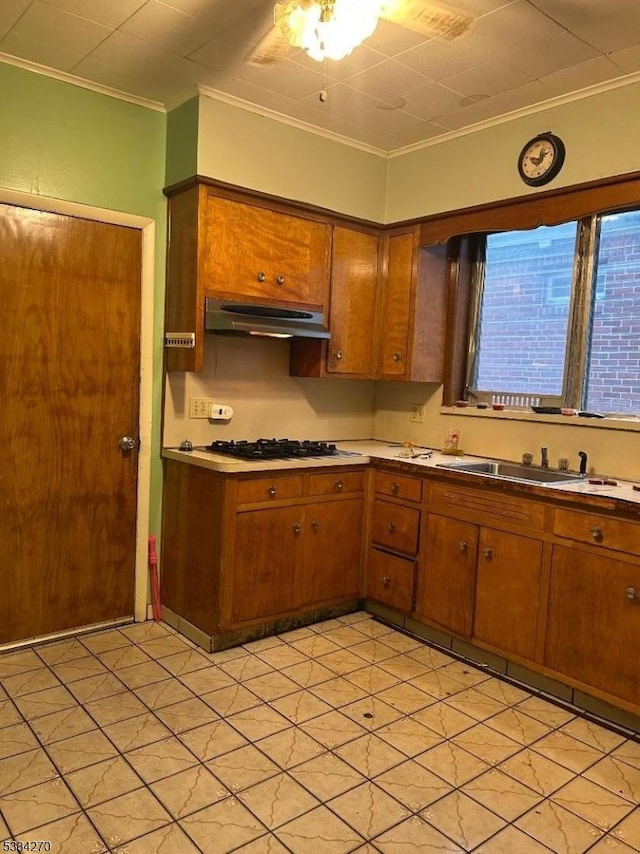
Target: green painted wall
(69,143)
(182,142)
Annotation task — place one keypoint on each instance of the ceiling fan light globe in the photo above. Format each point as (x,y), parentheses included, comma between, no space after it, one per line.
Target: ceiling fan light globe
(331,34)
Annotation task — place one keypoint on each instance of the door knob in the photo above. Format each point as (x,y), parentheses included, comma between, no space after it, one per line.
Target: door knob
(127,443)
(488,553)
(463,547)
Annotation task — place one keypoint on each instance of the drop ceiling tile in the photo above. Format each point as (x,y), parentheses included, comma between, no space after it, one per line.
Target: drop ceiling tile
(465,117)
(627,60)
(513,26)
(252,94)
(10,11)
(344,103)
(385,122)
(431,101)
(111,13)
(553,54)
(409,137)
(222,12)
(391,39)
(359,133)
(284,77)
(580,76)
(438,59)
(361,59)
(531,93)
(232,47)
(61,29)
(608,26)
(120,50)
(388,80)
(40,52)
(488,79)
(160,81)
(167,28)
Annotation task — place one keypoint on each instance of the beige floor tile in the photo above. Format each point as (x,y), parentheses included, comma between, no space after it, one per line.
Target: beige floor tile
(282,656)
(315,645)
(15,739)
(247,667)
(212,740)
(537,772)
(290,747)
(344,636)
(332,729)
(438,684)
(112,709)
(223,827)
(4,830)
(161,759)
(463,820)
(185,715)
(327,776)
(503,795)
(342,662)
(96,688)
(406,698)
(404,667)
(372,679)
(371,628)
(475,704)
(371,713)
(80,751)
(487,744)
(593,803)
(444,719)
(548,713)
(185,662)
(163,646)
(319,831)
(453,763)
(102,641)
(278,800)
(148,630)
(28,683)
(628,831)
(413,785)
(465,673)
(268,844)
(368,809)
(296,634)
(79,668)
(512,841)
(71,835)
(189,791)
(61,725)
(402,643)
(567,751)
(170,839)
(59,652)
(629,752)
(272,685)
(355,617)
(38,805)
(208,679)
(308,673)
(339,691)
(325,626)
(24,770)
(102,782)
(374,651)
(263,643)
(415,835)
(430,657)
(558,828)
(518,726)
(258,722)
(593,734)
(13,663)
(370,755)
(143,674)
(166,693)
(222,655)
(242,768)
(301,706)
(46,702)
(409,736)
(228,701)
(610,845)
(616,776)
(503,691)
(126,656)
(128,817)
(9,715)
(136,732)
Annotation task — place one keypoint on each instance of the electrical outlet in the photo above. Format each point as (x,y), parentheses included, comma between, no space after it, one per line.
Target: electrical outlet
(200,407)
(416,413)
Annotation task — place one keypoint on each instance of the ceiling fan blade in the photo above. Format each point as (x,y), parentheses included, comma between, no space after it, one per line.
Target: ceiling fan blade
(272,47)
(427,17)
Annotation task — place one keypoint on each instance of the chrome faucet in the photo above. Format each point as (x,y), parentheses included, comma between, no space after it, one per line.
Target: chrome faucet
(544,459)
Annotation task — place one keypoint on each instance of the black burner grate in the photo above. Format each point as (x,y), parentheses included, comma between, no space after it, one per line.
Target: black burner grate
(273,449)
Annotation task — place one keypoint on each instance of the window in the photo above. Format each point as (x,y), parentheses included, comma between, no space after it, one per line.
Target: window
(556,315)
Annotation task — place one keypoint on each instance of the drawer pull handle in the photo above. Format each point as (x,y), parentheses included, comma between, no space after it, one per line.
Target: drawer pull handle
(273,491)
(395,486)
(632,594)
(397,357)
(597,534)
(315,525)
(339,485)
(464,547)
(280,280)
(297,528)
(262,276)
(338,355)
(386,581)
(488,553)
(391,527)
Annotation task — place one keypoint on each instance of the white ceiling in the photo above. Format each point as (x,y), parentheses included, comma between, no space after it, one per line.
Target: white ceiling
(397,89)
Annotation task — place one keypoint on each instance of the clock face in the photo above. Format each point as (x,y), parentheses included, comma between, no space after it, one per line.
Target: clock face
(541,159)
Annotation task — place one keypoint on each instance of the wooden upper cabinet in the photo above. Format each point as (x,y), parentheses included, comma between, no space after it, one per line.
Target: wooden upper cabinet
(412,320)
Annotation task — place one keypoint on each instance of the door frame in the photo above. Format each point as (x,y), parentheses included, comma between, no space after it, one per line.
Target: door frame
(145,391)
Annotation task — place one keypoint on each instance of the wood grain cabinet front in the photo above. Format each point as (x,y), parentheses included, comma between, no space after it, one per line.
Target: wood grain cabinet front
(395,527)
(391,580)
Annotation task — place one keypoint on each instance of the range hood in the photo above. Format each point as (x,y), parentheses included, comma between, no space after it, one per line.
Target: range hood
(229,316)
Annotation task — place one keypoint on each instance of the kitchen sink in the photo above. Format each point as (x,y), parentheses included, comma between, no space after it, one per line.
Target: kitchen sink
(514,471)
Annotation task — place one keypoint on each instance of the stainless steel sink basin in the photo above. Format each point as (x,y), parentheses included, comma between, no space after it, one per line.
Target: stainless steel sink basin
(514,471)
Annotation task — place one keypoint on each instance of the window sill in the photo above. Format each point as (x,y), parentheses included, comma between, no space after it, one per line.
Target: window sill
(630,424)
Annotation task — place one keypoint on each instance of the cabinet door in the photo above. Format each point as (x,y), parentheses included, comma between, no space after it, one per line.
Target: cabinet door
(396,322)
(268,544)
(354,277)
(260,254)
(593,628)
(507,591)
(332,539)
(447,584)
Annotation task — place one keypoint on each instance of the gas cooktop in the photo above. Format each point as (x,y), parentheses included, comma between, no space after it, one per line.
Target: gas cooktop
(273,449)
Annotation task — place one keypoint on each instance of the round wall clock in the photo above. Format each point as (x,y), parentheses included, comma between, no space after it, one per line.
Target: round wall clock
(541,159)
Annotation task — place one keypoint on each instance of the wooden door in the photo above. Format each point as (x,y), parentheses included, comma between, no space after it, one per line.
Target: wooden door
(354,277)
(508,591)
(448,574)
(594,621)
(396,321)
(333,538)
(69,374)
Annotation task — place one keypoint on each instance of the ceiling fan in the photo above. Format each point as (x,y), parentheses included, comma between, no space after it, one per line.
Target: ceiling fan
(331,29)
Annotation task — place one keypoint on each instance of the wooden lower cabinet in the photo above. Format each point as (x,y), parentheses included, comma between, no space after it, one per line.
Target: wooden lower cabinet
(594,621)
(446,589)
(332,551)
(391,579)
(508,592)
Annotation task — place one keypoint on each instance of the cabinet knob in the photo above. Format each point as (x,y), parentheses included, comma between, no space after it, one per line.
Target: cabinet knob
(632,594)
(273,491)
(488,553)
(391,527)
(386,581)
(463,547)
(262,276)
(338,355)
(395,486)
(339,485)
(315,525)
(297,528)
(597,534)
(280,280)
(397,357)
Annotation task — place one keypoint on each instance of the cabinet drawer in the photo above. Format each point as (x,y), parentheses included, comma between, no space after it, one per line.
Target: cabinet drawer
(477,504)
(395,526)
(399,486)
(269,489)
(334,483)
(617,534)
(391,579)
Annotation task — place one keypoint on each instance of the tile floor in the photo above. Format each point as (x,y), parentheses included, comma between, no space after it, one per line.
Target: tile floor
(345,736)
